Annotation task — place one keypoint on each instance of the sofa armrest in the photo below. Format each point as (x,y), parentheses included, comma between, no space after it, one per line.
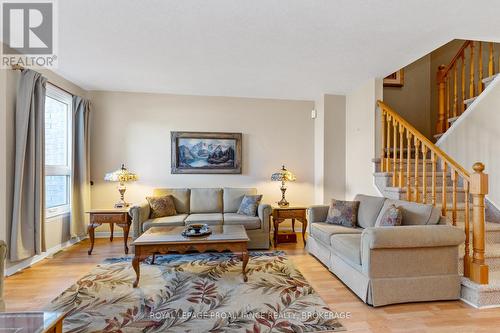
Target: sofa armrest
(413,236)
(139,213)
(317,213)
(264,212)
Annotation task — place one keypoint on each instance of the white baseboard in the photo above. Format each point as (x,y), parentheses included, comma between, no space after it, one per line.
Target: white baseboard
(30,261)
(106,234)
(480,307)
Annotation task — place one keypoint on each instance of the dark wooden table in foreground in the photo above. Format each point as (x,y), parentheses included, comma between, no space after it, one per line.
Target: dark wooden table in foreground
(163,240)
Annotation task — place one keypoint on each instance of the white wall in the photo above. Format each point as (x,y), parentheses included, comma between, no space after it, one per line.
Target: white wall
(475,137)
(362,138)
(134,128)
(334,148)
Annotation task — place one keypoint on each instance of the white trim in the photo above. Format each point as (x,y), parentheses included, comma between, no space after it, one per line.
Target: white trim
(480,307)
(33,260)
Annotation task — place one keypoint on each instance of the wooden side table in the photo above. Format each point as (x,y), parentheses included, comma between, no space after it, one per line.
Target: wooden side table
(120,217)
(280,214)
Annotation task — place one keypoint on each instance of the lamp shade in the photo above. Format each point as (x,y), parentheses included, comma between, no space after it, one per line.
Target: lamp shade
(283,175)
(122,175)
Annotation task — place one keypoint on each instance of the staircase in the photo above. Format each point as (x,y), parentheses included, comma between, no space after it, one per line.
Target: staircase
(463,80)
(411,167)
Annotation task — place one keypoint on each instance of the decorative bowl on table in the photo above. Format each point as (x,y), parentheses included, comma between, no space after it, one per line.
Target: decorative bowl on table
(196,230)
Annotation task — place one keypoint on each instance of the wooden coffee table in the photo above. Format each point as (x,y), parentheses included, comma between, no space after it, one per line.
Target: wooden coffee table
(162,240)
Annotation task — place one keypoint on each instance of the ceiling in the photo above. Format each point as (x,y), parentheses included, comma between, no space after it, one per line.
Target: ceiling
(286,49)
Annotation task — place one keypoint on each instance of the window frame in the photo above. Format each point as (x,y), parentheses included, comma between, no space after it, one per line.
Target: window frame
(61,170)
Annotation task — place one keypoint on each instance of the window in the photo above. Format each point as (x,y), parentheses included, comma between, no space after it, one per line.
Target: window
(58,143)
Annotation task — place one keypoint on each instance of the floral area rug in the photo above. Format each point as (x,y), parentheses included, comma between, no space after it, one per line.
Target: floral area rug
(196,293)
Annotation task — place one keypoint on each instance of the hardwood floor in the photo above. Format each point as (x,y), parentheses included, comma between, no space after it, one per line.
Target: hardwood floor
(36,286)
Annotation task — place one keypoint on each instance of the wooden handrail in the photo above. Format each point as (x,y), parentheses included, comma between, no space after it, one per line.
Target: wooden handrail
(457,56)
(473,184)
(452,96)
(430,145)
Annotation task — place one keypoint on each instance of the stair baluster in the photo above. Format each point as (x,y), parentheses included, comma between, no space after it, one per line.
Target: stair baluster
(490,60)
(454,180)
(434,167)
(417,153)
(472,92)
(394,150)
(467,259)
(424,173)
(408,174)
(401,148)
(481,69)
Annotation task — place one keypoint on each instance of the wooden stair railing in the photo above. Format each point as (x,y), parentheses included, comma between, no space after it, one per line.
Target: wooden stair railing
(399,138)
(453,80)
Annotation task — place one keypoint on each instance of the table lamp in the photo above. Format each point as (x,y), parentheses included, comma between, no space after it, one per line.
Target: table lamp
(122,176)
(283,176)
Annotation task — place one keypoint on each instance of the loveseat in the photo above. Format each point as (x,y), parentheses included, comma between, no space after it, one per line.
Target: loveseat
(214,206)
(417,261)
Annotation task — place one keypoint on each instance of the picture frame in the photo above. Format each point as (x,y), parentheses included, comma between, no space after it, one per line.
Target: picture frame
(396,79)
(205,152)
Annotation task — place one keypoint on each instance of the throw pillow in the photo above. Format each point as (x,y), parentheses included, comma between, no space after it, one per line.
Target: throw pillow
(393,216)
(161,206)
(249,205)
(343,213)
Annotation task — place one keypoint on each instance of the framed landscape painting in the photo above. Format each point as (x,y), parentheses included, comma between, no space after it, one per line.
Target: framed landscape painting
(205,152)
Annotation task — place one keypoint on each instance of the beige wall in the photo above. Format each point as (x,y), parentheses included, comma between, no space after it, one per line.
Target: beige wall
(319,150)
(412,101)
(134,128)
(474,137)
(57,229)
(334,147)
(361,138)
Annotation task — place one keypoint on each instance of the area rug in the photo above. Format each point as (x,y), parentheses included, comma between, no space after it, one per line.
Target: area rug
(196,293)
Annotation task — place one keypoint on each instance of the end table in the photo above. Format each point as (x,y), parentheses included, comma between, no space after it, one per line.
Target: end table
(120,217)
(280,214)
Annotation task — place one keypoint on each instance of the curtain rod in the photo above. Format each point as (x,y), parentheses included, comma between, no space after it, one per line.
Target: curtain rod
(17,67)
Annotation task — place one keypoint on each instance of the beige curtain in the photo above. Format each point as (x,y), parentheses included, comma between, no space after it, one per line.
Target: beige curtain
(81,167)
(27,226)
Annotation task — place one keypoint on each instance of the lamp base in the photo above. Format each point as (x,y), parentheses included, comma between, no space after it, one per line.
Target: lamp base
(283,203)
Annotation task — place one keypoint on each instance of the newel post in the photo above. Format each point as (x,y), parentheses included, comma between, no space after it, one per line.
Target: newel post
(440,78)
(478,190)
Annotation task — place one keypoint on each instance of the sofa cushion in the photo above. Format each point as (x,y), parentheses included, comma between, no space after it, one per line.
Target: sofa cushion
(369,209)
(233,196)
(322,231)
(343,213)
(249,205)
(180,196)
(249,222)
(392,217)
(161,206)
(206,200)
(347,246)
(167,221)
(208,218)
(413,213)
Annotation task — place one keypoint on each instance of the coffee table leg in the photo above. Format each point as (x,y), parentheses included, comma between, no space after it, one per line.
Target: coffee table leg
(111,229)
(244,258)
(136,265)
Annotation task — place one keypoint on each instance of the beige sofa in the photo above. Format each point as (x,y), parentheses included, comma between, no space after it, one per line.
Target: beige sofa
(385,265)
(213,206)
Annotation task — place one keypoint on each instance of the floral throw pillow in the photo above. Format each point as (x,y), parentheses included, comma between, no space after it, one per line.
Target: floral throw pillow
(249,205)
(392,217)
(343,213)
(161,206)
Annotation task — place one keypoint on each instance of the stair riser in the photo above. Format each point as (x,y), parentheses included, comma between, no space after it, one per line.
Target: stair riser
(449,196)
